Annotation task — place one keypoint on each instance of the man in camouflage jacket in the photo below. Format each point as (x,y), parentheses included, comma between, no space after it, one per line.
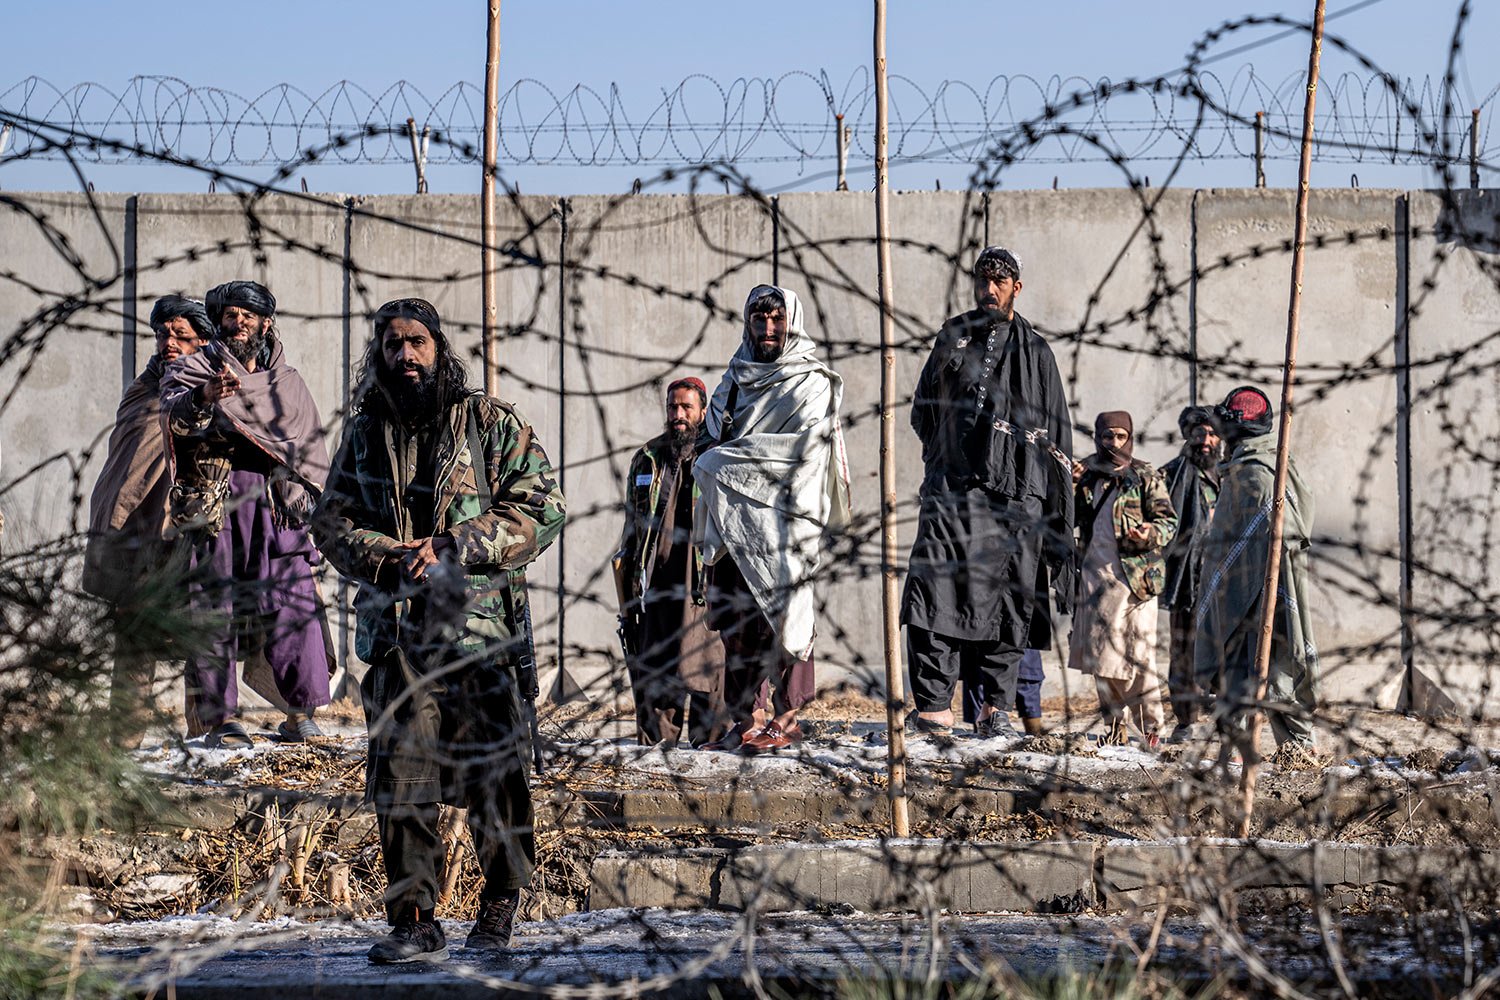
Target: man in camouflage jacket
(438,499)
(672,655)
(1124,518)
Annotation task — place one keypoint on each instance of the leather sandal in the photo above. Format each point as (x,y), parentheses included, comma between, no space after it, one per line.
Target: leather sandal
(228,736)
(771,739)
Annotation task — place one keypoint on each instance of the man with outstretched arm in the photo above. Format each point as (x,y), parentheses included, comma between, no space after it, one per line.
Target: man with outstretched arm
(248,460)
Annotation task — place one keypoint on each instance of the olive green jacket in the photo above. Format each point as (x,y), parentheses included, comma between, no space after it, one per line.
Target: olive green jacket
(1141,499)
(362,518)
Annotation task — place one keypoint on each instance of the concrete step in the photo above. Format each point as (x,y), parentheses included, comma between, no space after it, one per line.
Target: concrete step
(753,807)
(1053,876)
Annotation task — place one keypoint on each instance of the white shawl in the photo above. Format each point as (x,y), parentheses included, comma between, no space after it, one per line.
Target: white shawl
(770,494)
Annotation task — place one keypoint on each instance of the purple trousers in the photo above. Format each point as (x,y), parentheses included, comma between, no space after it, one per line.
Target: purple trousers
(255,581)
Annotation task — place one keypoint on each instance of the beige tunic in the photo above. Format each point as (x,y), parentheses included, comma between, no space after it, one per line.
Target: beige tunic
(1114,632)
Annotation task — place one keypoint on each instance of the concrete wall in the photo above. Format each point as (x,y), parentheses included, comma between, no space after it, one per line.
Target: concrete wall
(62,358)
(651,290)
(1452,281)
(1344,439)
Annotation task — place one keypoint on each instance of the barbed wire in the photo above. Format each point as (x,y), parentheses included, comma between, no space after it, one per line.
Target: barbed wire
(786,119)
(1371,864)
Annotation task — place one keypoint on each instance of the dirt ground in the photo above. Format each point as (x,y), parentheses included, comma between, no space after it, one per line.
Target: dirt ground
(1382,779)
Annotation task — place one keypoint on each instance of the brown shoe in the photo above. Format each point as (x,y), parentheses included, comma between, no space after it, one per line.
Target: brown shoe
(771,739)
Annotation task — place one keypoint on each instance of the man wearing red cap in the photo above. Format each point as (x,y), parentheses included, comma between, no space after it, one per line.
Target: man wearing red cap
(1235,552)
(672,656)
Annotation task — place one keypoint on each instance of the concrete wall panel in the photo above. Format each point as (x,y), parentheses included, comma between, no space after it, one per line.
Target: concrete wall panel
(828,257)
(654,288)
(650,282)
(1454,278)
(62,357)
(1069,256)
(1344,440)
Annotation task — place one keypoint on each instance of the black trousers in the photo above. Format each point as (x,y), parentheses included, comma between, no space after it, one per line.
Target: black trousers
(659,688)
(413,851)
(1182,683)
(458,739)
(937,662)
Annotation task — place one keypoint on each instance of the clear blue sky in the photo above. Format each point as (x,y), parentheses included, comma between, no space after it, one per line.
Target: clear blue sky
(644,48)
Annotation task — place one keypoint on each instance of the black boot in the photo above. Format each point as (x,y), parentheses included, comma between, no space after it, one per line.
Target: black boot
(419,940)
(495,924)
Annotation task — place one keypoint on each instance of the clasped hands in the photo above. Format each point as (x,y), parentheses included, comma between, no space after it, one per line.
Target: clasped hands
(421,555)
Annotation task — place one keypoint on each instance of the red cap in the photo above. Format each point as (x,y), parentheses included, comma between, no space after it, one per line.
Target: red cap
(1251,404)
(688,383)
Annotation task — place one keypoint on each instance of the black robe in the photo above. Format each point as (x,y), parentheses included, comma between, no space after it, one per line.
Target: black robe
(1193,492)
(996,520)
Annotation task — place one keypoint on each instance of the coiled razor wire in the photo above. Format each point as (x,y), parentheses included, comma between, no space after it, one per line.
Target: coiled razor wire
(785,119)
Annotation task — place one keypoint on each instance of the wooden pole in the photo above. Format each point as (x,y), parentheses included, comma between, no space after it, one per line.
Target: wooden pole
(418,154)
(895,698)
(1260,149)
(841,144)
(1283,442)
(490,235)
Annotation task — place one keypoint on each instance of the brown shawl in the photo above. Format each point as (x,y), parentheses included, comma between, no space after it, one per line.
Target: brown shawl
(128,508)
(273,409)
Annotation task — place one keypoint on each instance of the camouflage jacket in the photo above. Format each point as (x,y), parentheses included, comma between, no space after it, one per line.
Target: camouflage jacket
(1141,499)
(643,521)
(365,512)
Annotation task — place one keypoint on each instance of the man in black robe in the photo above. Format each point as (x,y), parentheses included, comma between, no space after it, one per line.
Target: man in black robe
(1193,482)
(996,506)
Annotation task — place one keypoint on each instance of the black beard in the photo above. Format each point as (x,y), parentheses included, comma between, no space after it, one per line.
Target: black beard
(1204,460)
(245,351)
(416,402)
(681,441)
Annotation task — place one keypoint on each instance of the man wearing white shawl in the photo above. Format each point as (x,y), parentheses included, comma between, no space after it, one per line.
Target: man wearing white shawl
(777,482)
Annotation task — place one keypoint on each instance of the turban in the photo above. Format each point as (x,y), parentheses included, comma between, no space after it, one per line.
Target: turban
(760,292)
(997,262)
(696,384)
(1194,416)
(170,307)
(246,294)
(421,310)
(1114,418)
(1245,413)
